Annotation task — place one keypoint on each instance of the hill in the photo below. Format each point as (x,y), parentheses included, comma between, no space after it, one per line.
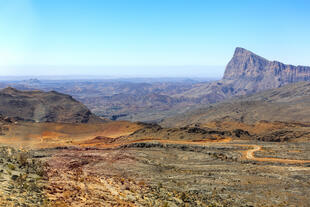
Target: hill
(41,106)
(289,103)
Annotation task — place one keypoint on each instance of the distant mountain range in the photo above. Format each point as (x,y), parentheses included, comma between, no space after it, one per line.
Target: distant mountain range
(245,74)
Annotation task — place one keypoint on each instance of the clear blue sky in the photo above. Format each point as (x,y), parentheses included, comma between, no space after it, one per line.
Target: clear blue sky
(144,33)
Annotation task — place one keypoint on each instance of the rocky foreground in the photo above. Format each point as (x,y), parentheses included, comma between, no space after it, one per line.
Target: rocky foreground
(127,165)
(155,174)
(218,163)
(22,179)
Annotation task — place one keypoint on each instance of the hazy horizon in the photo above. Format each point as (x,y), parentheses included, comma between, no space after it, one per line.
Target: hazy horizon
(139,38)
(212,72)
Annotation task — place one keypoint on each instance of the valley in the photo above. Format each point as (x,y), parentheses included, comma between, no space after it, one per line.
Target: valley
(154,100)
(166,103)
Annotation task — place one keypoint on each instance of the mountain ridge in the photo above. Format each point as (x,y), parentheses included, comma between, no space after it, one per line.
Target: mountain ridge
(246,73)
(255,73)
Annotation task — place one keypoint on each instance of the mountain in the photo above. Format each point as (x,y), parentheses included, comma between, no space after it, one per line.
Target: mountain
(251,73)
(43,107)
(247,73)
(153,100)
(117,99)
(290,103)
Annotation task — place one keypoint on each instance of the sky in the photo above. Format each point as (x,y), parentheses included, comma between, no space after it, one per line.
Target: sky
(147,37)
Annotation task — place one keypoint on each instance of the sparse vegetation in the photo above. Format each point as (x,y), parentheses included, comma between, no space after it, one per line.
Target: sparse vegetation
(21,185)
(206,168)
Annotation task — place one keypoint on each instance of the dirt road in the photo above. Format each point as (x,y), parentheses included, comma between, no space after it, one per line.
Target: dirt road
(249,154)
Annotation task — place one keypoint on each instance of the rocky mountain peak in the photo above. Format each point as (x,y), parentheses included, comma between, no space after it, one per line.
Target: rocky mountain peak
(239,51)
(254,73)
(244,63)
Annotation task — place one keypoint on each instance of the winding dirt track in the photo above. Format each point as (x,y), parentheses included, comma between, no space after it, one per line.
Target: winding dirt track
(52,135)
(248,154)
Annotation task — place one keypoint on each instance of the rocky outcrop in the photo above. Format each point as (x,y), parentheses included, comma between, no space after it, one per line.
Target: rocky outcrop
(245,74)
(41,106)
(250,73)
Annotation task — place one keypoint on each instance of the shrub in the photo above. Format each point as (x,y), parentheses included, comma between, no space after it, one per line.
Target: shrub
(22,159)
(11,166)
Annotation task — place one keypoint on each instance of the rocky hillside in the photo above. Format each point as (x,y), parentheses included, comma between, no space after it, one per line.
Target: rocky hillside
(247,73)
(289,103)
(43,107)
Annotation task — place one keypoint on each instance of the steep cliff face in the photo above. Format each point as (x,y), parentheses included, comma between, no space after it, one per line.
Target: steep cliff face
(250,73)
(44,107)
